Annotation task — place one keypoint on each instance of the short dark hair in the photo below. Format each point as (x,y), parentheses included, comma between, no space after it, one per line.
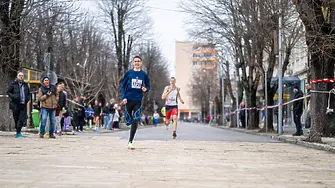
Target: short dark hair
(137,56)
(172,77)
(60,83)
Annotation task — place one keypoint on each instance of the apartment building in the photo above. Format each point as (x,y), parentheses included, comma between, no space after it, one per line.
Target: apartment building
(196,63)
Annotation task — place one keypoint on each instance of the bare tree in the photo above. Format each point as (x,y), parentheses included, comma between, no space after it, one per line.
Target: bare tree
(157,69)
(86,72)
(248,28)
(318,19)
(239,30)
(10,38)
(128,22)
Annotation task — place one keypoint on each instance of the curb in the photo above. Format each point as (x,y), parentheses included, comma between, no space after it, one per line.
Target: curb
(323,147)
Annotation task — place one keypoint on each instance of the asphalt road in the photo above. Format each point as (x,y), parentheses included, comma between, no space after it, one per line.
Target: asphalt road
(193,132)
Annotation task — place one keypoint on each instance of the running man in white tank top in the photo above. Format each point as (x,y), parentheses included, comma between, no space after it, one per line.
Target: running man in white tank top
(171,95)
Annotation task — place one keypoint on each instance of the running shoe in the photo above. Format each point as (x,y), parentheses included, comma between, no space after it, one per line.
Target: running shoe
(174,135)
(130,146)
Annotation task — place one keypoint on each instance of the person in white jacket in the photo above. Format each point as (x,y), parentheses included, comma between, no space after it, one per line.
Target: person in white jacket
(116,117)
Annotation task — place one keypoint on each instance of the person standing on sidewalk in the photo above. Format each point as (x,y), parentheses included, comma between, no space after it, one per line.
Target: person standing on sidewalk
(105,115)
(134,83)
(297,111)
(61,106)
(19,95)
(81,114)
(308,116)
(171,95)
(111,110)
(48,96)
(89,114)
(97,113)
(155,118)
(116,117)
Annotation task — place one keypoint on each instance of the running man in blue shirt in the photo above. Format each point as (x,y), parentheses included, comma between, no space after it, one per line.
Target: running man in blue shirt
(134,83)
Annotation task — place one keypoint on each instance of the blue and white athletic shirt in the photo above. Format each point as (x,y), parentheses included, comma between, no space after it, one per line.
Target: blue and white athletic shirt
(131,86)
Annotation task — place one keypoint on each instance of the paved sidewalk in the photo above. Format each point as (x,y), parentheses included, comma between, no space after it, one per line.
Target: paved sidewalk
(87,129)
(104,161)
(328,145)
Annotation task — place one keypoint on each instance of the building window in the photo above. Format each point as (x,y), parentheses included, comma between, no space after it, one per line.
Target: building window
(196,55)
(208,63)
(208,54)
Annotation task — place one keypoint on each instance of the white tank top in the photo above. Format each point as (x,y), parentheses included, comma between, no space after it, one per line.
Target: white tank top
(171,99)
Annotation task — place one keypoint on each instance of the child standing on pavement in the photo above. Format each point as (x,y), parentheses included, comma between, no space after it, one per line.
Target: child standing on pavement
(116,117)
(89,115)
(155,118)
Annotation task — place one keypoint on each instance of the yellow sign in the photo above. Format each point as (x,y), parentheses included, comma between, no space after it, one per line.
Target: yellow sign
(286,96)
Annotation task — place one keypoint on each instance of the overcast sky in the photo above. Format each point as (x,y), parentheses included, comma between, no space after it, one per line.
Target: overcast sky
(168,25)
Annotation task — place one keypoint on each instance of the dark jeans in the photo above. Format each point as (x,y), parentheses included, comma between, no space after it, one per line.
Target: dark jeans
(78,122)
(81,123)
(19,115)
(297,121)
(51,114)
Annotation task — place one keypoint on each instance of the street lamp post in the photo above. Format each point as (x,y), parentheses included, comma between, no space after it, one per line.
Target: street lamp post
(266,102)
(245,111)
(223,113)
(280,73)
(237,105)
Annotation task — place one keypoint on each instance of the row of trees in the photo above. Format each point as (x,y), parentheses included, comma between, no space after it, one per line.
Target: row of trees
(90,54)
(248,33)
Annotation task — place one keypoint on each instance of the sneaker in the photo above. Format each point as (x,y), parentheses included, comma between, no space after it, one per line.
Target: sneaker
(297,134)
(130,146)
(52,136)
(19,135)
(174,135)
(40,135)
(46,135)
(166,127)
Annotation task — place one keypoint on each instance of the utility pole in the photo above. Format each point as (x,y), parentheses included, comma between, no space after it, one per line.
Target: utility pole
(223,113)
(237,104)
(245,111)
(280,72)
(266,101)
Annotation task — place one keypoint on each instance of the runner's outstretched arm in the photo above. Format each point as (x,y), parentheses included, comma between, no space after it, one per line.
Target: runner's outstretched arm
(179,96)
(147,83)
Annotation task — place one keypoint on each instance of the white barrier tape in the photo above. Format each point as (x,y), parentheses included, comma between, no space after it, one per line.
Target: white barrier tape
(307,96)
(270,107)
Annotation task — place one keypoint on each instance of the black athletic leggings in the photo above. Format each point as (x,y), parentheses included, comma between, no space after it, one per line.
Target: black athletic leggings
(132,116)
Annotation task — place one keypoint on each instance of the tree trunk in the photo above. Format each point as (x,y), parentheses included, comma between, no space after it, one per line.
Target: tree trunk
(119,41)
(323,124)
(233,122)
(270,102)
(10,25)
(320,42)
(253,116)
(6,117)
